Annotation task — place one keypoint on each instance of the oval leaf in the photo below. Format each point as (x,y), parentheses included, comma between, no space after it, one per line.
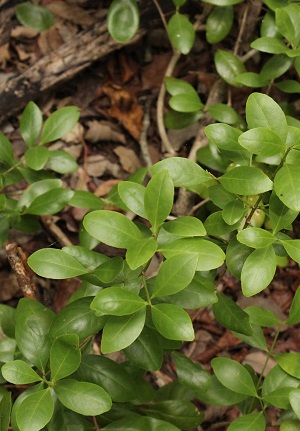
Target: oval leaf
(65,356)
(59,123)
(181,33)
(19,373)
(123,20)
(172,322)
(117,302)
(35,411)
(31,124)
(246,180)
(287,186)
(255,237)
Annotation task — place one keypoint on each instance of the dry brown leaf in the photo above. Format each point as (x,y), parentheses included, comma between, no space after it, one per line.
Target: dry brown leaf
(153,73)
(98,165)
(20,32)
(257,361)
(72,13)
(128,159)
(75,136)
(50,40)
(4,55)
(103,131)
(104,188)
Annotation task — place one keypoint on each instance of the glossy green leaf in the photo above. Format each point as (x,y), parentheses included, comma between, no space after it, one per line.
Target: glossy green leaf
(263,111)
(120,331)
(289,86)
(36,189)
(54,263)
(220,196)
(218,395)
(190,373)
(175,274)
(233,211)
(280,215)
(181,33)
(224,113)
(256,237)
(176,86)
(123,20)
(272,45)
(5,409)
(262,316)
(77,318)
(112,228)
(64,419)
(62,162)
(36,157)
(262,141)
(276,66)
(225,137)
(246,180)
(172,322)
(7,320)
(6,150)
(219,23)
(228,66)
(33,322)
(234,376)
(257,339)
(249,422)
(117,302)
(19,373)
(59,123)
(185,226)
(159,196)
(292,247)
(88,258)
(184,172)
(286,185)
(294,398)
(276,387)
(65,356)
(31,124)
(34,16)
(289,362)
(180,120)
(210,256)
(258,270)
(82,397)
(230,315)
(35,411)
(251,79)
(141,252)
(133,194)
(140,423)
(109,270)
(146,351)
(294,313)
(85,199)
(185,103)
(287,20)
(50,202)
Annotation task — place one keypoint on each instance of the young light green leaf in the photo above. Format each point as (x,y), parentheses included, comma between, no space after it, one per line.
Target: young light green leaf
(233,211)
(181,33)
(251,79)
(123,20)
(176,86)
(258,270)
(34,16)
(175,274)
(112,228)
(294,313)
(228,66)
(287,186)
(280,215)
(190,373)
(81,397)
(219,23)
(141,252)
(6,150)
(225,137)
(19,373)
(31,124)
(185,226)
(249,422)
(272,45)
(65,356)
(59,124)
(36,157)
(35,411)
(234,376)
(289,362)
(224,113)
(53,263)
(292,247)
(172,322)
(120,331)
(230,315)
(159,196)
(61,162)
(50,202)
(116,301)
(262,141)
(256,237)
(133,194)
(85,199)
(246,180)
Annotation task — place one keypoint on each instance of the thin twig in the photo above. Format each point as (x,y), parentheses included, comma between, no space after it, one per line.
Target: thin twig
(241,31)
(55,231)
(161,14)
(143,136)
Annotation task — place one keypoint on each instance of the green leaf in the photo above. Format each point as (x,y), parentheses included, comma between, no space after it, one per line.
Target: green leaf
(272,45)
(77,318)
(219,196)
(120,331)
(108,374)
(224,113)
(123,20)
(286,185)
(280,215)
(210,256)
(225,137)
(133,195)
(146,351)
(35,411)
(179,3)
(180,120)
(7,349)
(218,395)
(172,322)
(263,111)
(159,196)
(223,2)
(246,180)
(112,228)
(292,247)
(181,33)
(289,362)
(85,199)
(185,226)
(262,316)
(287,20)
(59,123)
(89,259)
(109,270)
(7,320)
(294,398)
(256,237)
(262,141)
(249,422)
(233,211)
(257,339)
(228,66)
(175,274)
(258,270)
(50,202)
(81,397)
(116,301)
(276,387)
(19,373)
(234,376)
(53,263)
(190,373)
(65,356)
(140,423)
(33,321)
(290,425)
(5,409)
(276,66)
(289,86)
(31,124)
(184,172)
(61,162)
(141,252)
(219,23)
(251,79)
(294,313)
(34,16)
(6,150)
(35,190)
(36,157)
(185,103)
(230,315)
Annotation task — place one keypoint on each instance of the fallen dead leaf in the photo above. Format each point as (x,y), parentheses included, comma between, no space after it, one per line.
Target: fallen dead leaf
(72,13)
(4,55)
(20,32)
(257,361)
(98,165)
(104,188)
(50,40)
(103,131)
(128,159)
